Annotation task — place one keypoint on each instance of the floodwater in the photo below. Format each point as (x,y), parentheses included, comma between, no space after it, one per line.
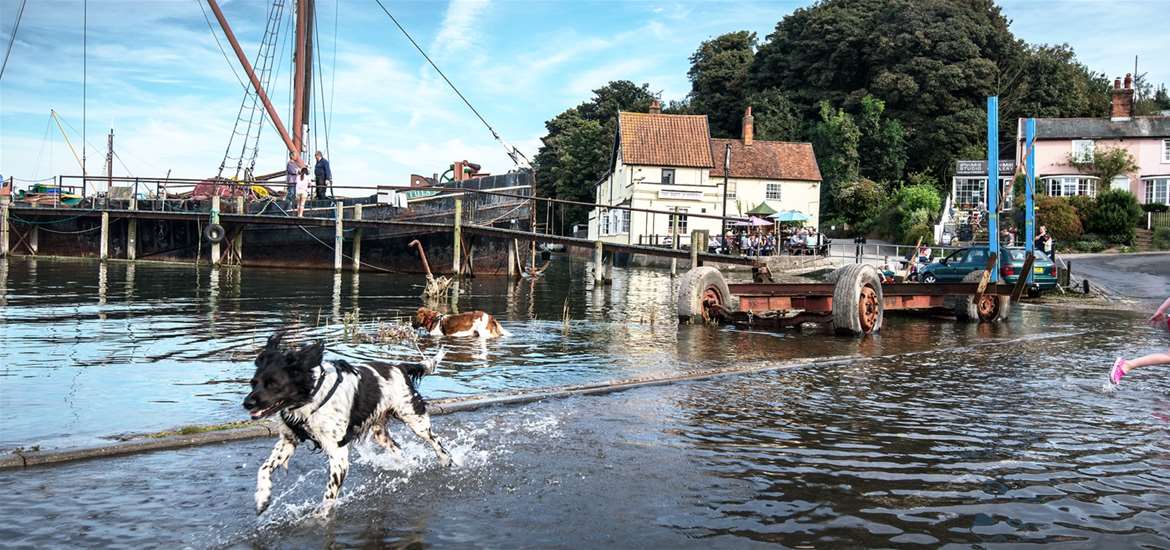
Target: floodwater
(936,432)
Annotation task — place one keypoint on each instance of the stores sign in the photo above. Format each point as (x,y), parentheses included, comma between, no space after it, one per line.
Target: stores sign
(979,167)
(680,195)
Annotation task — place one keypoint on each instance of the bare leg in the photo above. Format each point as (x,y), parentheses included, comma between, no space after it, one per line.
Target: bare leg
(420,424)
(280,454)
(338,468)
(383,439)
(1146,361)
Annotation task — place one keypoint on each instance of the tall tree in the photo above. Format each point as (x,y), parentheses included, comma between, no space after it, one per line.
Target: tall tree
(835,141)
(719,70)
(932,62)
(776,117)
(575,153)
(883,143)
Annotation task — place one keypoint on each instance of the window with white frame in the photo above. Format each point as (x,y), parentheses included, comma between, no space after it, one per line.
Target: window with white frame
(731,190)
(1082,150)
(773,192)
(668,175)
(1070,186)
(603,221)
(680,219)
(1166,150)
(969,192)
(1157,190)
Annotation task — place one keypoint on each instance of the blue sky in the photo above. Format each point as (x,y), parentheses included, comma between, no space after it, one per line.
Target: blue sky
(156,75)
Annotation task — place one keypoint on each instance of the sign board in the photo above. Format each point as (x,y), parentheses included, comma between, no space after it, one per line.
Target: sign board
(979,167)
(680,195)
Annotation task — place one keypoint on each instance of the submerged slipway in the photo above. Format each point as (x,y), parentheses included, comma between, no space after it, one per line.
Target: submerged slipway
(931,433)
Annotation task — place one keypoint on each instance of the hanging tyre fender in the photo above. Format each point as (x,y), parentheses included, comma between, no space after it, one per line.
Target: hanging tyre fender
(702,288)
(989,309)
(858,302)
(214,233)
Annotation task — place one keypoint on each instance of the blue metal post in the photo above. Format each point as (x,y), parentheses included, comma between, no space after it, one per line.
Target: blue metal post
(993,181)
(1030,188)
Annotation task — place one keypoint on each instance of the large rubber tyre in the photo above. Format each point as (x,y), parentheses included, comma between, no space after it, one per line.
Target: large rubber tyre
(214,233)
(990,309)
(858,304)
(930,278)
(698,287)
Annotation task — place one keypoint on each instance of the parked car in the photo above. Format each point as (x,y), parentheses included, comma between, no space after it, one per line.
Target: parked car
(957,265)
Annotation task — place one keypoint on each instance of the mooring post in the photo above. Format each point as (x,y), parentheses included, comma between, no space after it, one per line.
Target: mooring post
(455,261)
(357,240)
(338,235)
(104,244)
(698,243)
(215,257)
(511,259)
(132,232)
(598,258)
(240,205)
(674,240)
(4,231)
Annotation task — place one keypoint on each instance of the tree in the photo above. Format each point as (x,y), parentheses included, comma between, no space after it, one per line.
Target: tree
(835,142)
(859,203)
(575,153)
(1059,218)
(718,77)
(775,117)
(883,143)
(1048,81)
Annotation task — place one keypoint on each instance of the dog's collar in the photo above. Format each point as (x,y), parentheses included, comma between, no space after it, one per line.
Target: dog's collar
(438,319)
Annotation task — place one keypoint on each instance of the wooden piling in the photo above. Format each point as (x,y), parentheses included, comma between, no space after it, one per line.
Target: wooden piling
(4,231)
(511,259)
(338,236)
(215,250)
(455,261)
(674,241)
(357,240)
(598,261)
(698,243)
(104,244)
(132,233)
(240,205)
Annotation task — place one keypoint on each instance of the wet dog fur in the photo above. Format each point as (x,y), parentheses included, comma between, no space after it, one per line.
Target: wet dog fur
(472,323)
(332,404)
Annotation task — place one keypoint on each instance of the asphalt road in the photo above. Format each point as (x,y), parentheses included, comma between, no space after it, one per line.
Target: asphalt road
(1138,276)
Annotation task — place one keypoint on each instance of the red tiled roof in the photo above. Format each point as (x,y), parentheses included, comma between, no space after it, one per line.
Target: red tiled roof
(665,140)
(772,160)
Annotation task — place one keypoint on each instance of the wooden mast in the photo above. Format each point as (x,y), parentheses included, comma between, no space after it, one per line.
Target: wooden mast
(302,68)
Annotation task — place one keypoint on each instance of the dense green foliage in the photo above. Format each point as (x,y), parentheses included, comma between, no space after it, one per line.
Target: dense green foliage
(719,70)
(1086,208)
(1059,217)
(1116,216)
(860,202)
(1105,164)
(913,210)
(1161,240)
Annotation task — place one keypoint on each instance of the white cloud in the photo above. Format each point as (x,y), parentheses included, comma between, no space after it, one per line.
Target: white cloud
(463,17)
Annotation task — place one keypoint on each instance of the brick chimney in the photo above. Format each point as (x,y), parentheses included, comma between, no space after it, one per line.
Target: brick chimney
(1121,107)
(748,126)
(655,107)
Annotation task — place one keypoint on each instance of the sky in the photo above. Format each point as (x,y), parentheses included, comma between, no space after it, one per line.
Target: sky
(156,75)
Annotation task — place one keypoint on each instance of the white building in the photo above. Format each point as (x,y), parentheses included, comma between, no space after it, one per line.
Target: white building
(670,163)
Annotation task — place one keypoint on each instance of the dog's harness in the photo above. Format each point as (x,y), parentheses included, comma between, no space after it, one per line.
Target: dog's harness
(329,395)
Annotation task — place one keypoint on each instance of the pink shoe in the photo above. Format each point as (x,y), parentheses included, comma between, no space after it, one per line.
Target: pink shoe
(1117,372)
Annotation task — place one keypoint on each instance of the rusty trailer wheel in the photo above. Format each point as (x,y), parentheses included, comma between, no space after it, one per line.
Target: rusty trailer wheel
(989,308)
(858,305)
(702,295)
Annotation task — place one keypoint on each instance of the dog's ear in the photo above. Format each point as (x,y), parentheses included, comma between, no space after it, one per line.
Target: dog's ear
(310,356)
(274,340)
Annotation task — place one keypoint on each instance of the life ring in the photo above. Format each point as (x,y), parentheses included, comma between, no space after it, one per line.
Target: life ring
(214,233)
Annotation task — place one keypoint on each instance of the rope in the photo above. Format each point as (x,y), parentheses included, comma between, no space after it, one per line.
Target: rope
(51,222)
(327,245)
(12,39)
(211,29)
(512,151)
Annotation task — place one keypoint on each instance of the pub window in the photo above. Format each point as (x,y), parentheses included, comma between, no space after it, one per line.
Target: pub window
(668,175)
(773,192)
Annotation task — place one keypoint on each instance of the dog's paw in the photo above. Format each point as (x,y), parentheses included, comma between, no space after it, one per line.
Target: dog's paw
(262,502)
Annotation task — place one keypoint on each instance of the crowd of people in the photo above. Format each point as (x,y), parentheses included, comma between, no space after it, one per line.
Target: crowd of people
(805,240)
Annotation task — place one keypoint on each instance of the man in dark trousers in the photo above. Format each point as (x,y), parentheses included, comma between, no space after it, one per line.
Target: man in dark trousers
(323,175)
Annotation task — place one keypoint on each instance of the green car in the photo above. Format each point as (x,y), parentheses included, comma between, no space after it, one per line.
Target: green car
(958,264)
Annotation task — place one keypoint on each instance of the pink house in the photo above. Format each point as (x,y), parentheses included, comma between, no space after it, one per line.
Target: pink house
(1147,138)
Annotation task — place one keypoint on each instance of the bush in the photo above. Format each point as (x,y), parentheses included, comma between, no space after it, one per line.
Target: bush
(1088,245)
(910,213)
(1059,217)
(859,203)
(1161,240)
(1116,216)
(1086,209)
(1155,207)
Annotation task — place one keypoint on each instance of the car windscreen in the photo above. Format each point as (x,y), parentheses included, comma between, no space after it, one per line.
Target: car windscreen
(1018,255)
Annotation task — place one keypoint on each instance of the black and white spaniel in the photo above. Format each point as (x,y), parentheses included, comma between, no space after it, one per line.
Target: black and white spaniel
(332,404)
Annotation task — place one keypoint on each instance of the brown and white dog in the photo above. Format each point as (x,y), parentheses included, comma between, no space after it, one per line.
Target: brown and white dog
(472,323)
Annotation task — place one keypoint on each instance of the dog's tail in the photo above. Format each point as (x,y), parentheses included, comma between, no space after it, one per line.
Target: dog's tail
(429,365)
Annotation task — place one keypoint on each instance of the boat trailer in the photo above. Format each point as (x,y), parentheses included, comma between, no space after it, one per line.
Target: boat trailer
(855,300)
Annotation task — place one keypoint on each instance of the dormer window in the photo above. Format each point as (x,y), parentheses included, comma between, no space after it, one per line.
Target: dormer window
(668,176)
